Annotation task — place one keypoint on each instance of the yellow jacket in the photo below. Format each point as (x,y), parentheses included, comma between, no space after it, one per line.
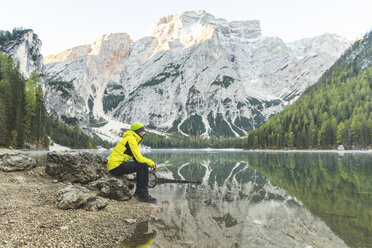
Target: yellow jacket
(127,149)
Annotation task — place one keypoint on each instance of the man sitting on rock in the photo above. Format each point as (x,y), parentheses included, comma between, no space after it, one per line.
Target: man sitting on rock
(120,162)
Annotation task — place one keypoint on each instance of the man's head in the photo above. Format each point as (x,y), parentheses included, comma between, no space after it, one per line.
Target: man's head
(139,128)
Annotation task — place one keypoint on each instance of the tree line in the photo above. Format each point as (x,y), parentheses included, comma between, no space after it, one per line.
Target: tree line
(7,36)
(73,137)
(174,140)
(337,110)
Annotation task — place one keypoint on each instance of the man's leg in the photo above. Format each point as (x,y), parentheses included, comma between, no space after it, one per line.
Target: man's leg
(142,180)
(125,168)
(142,189)
(142,171)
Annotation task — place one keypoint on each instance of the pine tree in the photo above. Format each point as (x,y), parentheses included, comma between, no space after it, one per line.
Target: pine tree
(341,134)
(40,117)
(291,139)
(30,106)
(3,116)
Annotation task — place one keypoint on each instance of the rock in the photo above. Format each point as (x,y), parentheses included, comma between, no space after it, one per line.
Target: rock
(25,50)
(130,221)
(114,188)
(18,179)
(76,167)
(75,196)
(340,148)
(97,204)
(153,217)
(16,161)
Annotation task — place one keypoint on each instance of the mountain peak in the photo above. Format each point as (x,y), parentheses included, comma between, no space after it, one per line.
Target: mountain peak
(191,27)
(24,47)
(184,17)
(105,43)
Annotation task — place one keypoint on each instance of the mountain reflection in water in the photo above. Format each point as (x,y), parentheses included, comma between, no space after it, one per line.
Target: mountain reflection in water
(252,199)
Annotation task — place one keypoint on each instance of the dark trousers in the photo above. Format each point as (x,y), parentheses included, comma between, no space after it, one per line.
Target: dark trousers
(142,171)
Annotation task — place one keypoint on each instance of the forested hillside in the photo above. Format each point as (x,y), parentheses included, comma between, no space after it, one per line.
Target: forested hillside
(23,117)
(24,121)
(336,110)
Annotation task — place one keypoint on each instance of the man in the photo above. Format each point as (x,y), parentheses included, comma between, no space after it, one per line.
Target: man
(120,162)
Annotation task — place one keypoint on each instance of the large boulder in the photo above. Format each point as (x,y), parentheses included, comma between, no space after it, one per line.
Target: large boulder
(75,196)
(76,167)
(16,161)
(114,188)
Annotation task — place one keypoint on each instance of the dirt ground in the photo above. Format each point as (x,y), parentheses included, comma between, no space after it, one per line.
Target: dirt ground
(29,216)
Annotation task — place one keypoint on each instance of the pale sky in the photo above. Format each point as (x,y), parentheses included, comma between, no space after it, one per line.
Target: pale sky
(64,24)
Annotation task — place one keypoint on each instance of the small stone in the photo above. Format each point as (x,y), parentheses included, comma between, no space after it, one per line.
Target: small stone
(130,221)
(18,179)
(257,222)
(64,227)
(153,217)
(340,148)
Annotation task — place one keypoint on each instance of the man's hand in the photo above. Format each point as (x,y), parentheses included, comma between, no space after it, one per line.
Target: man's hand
(155,167)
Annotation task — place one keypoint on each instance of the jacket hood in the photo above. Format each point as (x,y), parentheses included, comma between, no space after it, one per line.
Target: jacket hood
(133,133)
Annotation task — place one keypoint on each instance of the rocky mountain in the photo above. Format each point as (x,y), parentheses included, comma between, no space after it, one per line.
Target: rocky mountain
(193,74)
(23,45)
(78,77)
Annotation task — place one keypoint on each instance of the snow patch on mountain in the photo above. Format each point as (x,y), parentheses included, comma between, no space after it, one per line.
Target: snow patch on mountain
(113,130)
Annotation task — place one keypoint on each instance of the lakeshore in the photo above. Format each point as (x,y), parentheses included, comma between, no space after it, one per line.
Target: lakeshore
(30,217)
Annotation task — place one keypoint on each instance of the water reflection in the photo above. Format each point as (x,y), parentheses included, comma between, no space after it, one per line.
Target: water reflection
(141,237)
(337,189)
(252,199)
(264,200)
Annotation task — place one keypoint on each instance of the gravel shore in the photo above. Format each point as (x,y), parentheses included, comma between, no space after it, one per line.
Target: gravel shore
(30,218)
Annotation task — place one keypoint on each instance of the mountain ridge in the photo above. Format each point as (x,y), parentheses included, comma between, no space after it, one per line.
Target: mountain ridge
(197,75)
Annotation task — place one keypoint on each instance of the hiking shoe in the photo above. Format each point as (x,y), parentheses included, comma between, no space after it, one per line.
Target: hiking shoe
(147,198)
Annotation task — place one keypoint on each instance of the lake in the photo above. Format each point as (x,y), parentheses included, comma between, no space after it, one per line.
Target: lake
(260,199)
